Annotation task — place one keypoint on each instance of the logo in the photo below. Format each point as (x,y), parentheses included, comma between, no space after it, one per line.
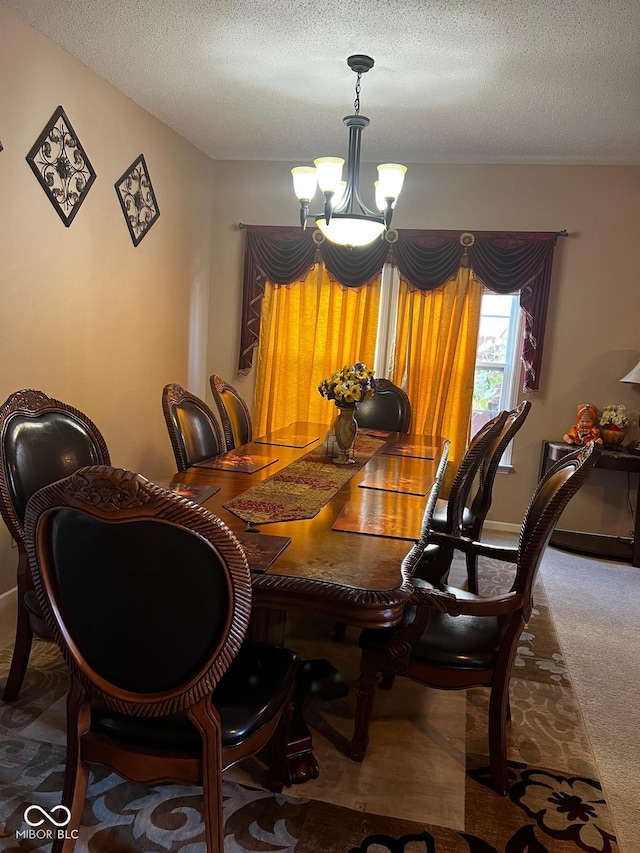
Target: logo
(34,816)
(46,815)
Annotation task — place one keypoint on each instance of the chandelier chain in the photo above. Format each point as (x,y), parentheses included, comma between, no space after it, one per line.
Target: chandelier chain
(356,103)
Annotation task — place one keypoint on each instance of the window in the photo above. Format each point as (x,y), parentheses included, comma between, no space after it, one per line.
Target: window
(498,360)
(497,372)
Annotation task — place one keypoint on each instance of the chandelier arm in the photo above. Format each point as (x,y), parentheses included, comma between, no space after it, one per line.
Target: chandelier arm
(328,206)
(304,212)
(388,213)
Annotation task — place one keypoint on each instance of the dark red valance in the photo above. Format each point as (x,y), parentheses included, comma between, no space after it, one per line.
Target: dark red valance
(505,262)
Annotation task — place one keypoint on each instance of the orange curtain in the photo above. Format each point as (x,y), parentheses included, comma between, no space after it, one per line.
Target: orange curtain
(307,331)
(434,357)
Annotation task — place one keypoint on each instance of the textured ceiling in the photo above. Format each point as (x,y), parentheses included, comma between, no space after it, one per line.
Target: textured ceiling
(455,81)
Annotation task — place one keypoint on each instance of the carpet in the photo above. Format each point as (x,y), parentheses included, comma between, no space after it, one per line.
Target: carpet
(424,786)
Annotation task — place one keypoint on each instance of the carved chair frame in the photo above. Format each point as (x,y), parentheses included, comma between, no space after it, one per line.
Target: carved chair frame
(218,388)
(30,403)
(545,507)
(113,496)
(173,396)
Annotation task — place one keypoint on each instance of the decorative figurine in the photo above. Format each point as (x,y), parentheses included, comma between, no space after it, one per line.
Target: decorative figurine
(585,430)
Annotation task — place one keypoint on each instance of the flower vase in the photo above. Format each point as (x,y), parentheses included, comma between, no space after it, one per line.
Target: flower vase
(613,437)
(344,430)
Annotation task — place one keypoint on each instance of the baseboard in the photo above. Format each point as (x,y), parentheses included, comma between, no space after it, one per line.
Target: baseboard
(502,525)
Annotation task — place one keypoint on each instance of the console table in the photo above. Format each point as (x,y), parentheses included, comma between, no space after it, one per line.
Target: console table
(595,545)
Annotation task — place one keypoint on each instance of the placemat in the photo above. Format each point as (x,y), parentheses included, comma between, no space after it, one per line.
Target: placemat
(231,462)
(291,440)
(262,550)
(376,433)
(288,437)
(195,492)
(419,451)
(301,489)
(391,482)
(402,520)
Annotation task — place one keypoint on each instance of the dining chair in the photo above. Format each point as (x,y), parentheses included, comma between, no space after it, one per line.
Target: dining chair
(452,639)
(233,411)
(148,597)
(388,409)
(193,429)
(41,440)
(453,515)
(475,513)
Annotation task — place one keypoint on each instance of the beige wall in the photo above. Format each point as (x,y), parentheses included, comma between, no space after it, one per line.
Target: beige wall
(592,330)
(85,316)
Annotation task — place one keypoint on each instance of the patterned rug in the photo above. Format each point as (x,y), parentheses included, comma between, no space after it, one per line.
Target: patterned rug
(301,489)
(424,786)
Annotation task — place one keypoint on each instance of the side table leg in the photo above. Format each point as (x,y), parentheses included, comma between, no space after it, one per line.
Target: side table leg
(635,560)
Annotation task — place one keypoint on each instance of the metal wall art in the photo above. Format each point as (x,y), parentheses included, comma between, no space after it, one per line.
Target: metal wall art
(137,199)
(61,165)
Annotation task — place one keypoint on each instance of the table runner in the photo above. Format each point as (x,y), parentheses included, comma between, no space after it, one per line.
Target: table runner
(301,489)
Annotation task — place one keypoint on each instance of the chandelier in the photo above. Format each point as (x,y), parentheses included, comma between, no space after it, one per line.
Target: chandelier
(346,220)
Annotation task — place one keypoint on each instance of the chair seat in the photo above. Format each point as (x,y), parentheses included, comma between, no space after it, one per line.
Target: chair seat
(463,642)
(36,618)
(439,521)
(269,670)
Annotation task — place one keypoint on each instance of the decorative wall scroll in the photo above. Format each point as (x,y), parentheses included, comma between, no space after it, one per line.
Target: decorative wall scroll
(137,199)
(62,167)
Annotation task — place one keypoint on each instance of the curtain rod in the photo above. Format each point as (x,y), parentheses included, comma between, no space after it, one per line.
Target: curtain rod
(563,233)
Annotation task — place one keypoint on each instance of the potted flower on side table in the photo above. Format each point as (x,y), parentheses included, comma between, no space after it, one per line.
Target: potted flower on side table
(347,387)
(614,423)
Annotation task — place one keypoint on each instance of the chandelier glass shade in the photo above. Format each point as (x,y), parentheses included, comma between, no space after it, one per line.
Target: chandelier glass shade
(346,220)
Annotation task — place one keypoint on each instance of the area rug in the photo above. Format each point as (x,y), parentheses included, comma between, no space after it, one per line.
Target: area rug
(301,489)
(424,786)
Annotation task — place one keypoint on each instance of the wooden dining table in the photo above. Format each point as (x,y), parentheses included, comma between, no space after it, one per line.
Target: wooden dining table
(352,574)
(353,577)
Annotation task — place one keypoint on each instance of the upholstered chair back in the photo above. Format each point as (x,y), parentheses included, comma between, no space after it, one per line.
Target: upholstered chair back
(388,409)
(193,429)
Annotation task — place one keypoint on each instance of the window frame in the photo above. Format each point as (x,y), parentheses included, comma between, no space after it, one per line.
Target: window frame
(512,368)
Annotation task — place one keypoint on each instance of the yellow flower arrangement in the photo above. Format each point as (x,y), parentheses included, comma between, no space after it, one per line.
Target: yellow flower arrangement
(347,387)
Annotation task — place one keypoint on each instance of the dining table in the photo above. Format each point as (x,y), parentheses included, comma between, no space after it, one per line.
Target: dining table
(321,538)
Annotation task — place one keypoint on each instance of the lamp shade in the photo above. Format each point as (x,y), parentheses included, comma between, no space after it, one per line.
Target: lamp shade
(633,376)
(381,202)
(305,182)
(391,177)
(329,171)
(350,230)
